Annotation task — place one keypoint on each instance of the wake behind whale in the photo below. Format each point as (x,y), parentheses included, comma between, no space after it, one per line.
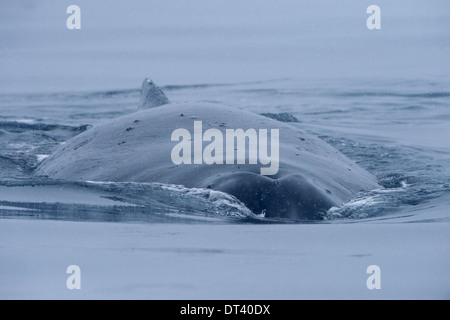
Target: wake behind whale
(310,176)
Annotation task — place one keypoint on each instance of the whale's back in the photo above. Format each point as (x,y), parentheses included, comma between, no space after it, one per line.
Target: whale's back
(137,148)
(309,176)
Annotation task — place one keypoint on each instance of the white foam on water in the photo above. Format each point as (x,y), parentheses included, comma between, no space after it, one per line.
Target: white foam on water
(42,157)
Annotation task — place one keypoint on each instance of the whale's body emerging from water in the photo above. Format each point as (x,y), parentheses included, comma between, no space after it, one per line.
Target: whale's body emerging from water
(312,175)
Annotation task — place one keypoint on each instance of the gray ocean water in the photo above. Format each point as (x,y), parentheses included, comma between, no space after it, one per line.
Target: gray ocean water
(381,97)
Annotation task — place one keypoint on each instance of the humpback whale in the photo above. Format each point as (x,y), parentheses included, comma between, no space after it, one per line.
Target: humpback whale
(311,176)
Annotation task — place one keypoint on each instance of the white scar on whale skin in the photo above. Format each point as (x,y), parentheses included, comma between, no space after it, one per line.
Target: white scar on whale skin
(235,140)
(311,176)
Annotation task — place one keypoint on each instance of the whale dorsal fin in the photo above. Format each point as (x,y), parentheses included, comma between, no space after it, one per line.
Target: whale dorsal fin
(151,96)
